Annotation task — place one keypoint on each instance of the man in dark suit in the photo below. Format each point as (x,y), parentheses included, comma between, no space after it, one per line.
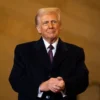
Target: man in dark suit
(48,69)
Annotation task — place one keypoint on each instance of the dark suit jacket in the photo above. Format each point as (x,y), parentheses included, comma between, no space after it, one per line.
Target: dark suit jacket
(32,67)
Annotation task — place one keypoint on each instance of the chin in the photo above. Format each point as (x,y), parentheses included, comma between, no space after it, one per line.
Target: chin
(52,38)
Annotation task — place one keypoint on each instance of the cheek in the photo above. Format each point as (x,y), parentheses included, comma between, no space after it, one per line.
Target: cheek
(44,29)
(57,27)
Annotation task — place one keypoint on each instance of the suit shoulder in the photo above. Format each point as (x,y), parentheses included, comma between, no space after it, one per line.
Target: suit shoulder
(75,50)
(25,45)
(73,47)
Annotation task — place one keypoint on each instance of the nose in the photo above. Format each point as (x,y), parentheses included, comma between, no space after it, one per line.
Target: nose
(50,25)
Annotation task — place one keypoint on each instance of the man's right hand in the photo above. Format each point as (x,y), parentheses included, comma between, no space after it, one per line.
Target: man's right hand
(51,85)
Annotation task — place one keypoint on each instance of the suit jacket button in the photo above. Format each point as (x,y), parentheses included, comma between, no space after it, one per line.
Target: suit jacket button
(47,97)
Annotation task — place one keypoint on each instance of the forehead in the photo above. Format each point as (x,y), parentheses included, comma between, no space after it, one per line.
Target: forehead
(49,16)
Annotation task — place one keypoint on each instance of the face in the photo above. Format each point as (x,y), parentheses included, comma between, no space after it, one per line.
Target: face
(49,26)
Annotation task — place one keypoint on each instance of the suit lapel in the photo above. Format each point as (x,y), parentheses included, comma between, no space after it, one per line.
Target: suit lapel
(42,54)
(61,53)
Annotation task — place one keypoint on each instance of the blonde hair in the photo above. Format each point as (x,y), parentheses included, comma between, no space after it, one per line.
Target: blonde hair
(43,11)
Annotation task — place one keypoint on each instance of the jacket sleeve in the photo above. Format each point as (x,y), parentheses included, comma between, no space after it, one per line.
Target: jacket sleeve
(19,79)
(78,82)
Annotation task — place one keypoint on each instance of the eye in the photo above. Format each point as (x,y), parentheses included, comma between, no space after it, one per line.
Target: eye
(54,21)
(45,22)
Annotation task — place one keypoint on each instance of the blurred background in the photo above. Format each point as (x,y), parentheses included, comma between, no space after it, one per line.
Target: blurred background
(80,26)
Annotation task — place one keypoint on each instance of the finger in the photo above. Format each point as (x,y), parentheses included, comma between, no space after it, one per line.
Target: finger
(59,78)
(55,90)
(56,87)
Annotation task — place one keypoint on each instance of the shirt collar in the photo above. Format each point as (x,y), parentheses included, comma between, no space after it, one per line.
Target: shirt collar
(47,44)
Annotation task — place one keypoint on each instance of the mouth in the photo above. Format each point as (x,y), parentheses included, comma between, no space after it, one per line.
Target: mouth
(51,31)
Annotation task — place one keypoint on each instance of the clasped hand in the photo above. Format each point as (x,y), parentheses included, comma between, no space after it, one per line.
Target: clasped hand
(53,84)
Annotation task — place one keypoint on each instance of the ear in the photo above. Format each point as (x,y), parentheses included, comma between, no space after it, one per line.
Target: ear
(38,29)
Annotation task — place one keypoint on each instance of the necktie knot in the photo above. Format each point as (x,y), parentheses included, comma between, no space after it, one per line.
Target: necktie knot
(50,47)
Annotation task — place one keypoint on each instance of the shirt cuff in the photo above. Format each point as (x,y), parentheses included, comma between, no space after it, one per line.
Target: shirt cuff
(63,94)
(39,93)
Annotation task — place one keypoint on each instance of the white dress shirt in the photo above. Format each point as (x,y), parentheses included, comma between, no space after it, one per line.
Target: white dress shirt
(53,44)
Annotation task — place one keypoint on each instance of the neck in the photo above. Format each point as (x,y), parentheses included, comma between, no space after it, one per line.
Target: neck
(51,41)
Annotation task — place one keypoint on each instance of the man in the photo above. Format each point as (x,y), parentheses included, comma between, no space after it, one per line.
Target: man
(48,69)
